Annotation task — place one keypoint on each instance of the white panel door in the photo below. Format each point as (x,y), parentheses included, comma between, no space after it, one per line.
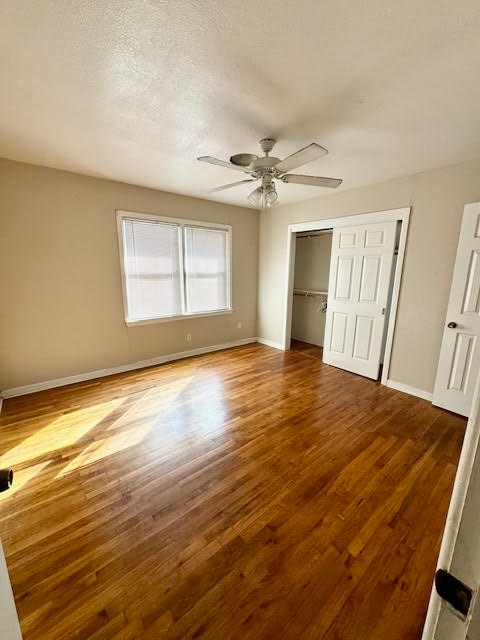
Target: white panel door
(360,271)
(9,625)
(459,361)
(460,549)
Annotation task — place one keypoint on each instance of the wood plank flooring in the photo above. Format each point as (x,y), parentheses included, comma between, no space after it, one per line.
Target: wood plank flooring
(248,493)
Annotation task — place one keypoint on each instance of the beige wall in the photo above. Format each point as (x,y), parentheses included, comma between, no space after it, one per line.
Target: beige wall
(60,292)
(61,310)
(437,199)
(312,268)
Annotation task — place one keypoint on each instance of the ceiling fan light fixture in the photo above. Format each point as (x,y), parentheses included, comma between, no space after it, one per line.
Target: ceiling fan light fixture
(256,197)
(270,196)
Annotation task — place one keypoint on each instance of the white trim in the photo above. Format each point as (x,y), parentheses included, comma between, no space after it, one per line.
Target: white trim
(290,274)
(100,373)
(121,254)
(201,224)
(392,318)
(401,215)
(181,239)
(344,221)
(406,388)
(271,343)
(136,323)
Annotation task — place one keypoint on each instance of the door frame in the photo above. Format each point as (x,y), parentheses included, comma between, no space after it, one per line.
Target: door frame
(399,215)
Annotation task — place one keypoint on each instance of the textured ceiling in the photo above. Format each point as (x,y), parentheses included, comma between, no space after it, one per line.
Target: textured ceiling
(135,91)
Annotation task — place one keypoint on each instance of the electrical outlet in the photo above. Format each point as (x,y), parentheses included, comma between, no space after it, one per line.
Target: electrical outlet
(239,325)
(189,337)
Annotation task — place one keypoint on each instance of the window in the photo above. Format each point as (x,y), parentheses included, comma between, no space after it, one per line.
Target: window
(205,269)
(173,268)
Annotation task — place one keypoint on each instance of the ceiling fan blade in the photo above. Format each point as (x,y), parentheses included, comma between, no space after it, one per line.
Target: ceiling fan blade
(222,163)
(303,156)
(256,197)
(314,181)
(232,184)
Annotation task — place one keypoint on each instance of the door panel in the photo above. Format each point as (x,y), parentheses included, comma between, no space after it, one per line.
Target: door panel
(343,285)
(459,361)
(375,238)
(362,341)
(462,360)
(346,240)
(472,297)
(339,332)
(360,272)
(371,267)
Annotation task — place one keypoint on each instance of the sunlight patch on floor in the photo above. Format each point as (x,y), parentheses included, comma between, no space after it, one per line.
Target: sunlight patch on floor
(131,428)
(59,434)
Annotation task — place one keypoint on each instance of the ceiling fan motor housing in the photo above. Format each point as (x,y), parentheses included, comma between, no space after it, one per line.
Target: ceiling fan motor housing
(264,163)
(243,159)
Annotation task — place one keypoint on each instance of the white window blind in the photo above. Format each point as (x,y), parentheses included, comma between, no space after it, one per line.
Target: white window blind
(207,277)
(152,269)
(173,267)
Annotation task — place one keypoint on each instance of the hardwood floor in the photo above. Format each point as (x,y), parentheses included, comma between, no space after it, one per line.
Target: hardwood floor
(248,493)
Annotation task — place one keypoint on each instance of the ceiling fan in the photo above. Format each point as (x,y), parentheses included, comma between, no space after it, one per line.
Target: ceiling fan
(267,169)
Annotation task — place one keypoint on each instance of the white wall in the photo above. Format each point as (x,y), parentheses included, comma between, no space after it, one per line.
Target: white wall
(61,310)
(312,268)
(437,199)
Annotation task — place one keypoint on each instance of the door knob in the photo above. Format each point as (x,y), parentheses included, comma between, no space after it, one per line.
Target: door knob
(452,325)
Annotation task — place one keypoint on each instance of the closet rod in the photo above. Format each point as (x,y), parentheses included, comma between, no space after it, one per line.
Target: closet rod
(315,234)
(309,292)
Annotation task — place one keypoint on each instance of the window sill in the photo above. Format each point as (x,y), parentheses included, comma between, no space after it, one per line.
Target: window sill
(207,314)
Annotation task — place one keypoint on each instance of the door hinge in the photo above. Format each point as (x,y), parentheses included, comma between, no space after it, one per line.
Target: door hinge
(453,591)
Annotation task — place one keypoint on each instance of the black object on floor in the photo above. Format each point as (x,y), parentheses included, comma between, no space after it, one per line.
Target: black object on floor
(6,479)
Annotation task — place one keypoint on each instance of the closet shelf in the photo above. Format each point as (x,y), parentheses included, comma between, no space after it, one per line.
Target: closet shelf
(309,292)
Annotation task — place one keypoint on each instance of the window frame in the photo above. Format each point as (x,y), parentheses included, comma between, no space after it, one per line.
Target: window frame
(181,223)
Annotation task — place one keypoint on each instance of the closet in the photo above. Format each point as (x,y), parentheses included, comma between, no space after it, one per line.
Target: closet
(310,292)
(350,322)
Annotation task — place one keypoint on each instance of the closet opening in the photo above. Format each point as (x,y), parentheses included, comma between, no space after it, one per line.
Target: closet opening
(310,290)
(343,287)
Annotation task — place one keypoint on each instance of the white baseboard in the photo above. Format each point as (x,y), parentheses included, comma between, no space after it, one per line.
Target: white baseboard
(413,391)
(271,343)
(101,373)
